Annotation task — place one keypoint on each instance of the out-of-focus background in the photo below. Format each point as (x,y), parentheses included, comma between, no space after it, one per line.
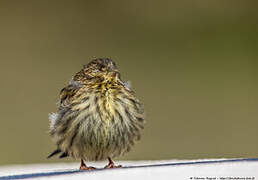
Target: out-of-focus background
(192,63)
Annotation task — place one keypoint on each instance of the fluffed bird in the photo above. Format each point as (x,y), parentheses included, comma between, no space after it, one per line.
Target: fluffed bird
(98,117)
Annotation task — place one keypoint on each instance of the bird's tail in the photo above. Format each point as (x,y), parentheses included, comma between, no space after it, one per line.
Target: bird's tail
(57,151)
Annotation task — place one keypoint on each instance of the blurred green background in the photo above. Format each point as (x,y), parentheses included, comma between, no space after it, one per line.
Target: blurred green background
(192,63)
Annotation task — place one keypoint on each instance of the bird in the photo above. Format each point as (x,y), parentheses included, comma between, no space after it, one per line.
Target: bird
(98,116)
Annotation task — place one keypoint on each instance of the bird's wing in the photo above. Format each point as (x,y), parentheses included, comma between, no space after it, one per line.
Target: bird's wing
(68,92)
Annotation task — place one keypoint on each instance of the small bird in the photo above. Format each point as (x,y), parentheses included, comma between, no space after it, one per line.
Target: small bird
(98,115)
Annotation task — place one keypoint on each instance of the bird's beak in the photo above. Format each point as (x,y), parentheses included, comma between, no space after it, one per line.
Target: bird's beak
(113,74)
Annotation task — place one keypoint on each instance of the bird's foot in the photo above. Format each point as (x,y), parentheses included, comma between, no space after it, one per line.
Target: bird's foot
(87,168)
(112,166)
(84,167)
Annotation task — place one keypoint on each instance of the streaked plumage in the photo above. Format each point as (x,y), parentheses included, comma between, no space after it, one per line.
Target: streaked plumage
(99,116)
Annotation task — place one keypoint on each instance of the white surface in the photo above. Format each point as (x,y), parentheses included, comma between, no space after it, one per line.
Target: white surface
(237,170)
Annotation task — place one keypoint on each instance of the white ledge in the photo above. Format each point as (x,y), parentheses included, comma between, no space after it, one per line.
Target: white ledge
(208,169)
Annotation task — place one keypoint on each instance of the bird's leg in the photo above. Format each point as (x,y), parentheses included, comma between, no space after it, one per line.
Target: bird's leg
(84,167)
(111,164)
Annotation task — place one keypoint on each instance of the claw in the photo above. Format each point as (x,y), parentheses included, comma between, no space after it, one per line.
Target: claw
(87,168)
(84,167)
(111,164)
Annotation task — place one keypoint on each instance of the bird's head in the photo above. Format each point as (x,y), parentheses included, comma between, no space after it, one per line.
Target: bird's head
(100,70)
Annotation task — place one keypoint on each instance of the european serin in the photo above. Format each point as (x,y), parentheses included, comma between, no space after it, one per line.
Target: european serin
(98,115)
